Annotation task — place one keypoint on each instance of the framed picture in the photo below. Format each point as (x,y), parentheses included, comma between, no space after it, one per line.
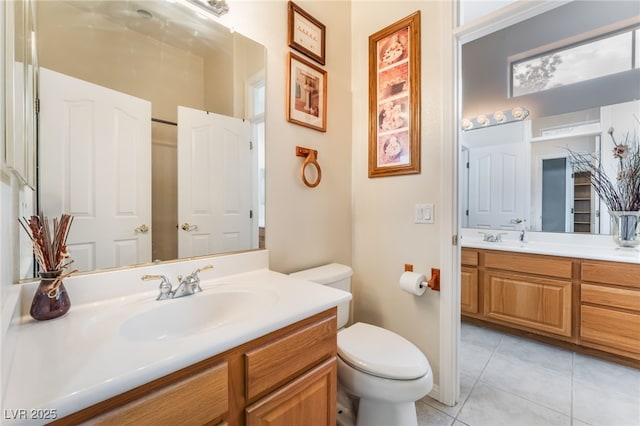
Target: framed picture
(394,99)
(306,94)
(306,34)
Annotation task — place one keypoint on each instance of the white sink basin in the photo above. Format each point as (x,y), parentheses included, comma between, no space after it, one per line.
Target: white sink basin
(214,307)
(184,316)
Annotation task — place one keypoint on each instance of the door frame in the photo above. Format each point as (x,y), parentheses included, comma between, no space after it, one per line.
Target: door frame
(449,386)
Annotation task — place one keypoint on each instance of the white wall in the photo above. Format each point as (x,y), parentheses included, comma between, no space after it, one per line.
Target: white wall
(304,226)
(384,234)
(471,10)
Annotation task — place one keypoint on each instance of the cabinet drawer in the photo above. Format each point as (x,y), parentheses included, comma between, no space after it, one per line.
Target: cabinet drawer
(617,273)
(614,329)
(530,264)
(195,400)
(279,361)
(538,303)
(469,257)
(611,296)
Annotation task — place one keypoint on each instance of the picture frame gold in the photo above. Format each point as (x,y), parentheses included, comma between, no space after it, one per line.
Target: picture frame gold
(394,99)
(306,34)
(306,93)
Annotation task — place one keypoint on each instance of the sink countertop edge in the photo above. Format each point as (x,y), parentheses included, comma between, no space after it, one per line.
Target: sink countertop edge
(608,253)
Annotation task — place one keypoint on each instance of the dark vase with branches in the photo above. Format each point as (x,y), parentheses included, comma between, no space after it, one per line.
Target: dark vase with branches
(621,194)
(50,250)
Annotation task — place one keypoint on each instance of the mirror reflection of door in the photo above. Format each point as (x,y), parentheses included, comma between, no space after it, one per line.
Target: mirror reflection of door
(554,195)
(498,183)
(86,133)
(214,184)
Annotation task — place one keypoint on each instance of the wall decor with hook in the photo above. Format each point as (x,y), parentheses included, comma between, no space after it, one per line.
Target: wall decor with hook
(311,158)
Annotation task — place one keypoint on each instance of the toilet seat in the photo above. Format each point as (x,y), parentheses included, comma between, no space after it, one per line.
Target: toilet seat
(380,352)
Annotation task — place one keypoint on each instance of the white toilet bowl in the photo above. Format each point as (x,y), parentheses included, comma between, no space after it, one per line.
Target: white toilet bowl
(385,372)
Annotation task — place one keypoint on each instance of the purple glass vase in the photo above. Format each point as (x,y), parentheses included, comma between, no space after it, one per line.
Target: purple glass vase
(48,301)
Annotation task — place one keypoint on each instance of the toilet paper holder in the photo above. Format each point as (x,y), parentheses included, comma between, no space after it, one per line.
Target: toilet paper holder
(433,283)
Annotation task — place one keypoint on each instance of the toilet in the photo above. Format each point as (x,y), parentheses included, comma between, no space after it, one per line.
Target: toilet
(380,373)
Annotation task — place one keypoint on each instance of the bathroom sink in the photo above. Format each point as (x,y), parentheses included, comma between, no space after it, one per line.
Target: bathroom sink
(200,312)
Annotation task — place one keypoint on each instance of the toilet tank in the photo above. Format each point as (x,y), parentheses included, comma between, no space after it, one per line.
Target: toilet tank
(334,275)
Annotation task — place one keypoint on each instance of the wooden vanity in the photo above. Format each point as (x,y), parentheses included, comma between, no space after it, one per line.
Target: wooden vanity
(286,377)
(589,303)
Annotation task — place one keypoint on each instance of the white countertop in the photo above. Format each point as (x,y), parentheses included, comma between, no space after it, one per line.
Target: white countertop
(596,247)
(72,362)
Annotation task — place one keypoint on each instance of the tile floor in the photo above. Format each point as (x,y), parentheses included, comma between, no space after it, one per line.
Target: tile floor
(507,380)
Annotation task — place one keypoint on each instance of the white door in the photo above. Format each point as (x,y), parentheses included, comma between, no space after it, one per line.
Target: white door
(95,164)
(214,183)
(497,186)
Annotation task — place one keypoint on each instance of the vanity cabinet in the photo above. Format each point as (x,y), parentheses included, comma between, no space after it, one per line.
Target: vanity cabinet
(587,304)
(610,307)
(286,377)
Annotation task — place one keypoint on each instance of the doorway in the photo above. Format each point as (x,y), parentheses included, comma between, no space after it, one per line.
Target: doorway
(554,196)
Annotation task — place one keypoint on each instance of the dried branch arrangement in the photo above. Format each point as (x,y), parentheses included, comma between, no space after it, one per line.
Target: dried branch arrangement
(49,248)
(623,192)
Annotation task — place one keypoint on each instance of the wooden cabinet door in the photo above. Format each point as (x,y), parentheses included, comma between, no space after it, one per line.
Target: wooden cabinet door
(532,302)
(469,290)
(309,400)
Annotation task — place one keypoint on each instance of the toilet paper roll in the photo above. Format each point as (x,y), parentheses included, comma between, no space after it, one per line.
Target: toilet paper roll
(414,283)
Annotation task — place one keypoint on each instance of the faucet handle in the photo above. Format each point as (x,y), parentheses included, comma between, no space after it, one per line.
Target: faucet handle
(195,279)
(165,286)
(204,268)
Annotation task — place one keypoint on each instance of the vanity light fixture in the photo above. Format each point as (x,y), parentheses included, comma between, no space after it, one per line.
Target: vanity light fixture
(219,7)
(498,117)
(213,7)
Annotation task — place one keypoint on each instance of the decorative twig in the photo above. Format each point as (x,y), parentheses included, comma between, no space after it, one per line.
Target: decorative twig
(621,193)
(49,248)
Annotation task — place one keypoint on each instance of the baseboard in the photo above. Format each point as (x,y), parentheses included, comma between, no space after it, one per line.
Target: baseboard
(435,393)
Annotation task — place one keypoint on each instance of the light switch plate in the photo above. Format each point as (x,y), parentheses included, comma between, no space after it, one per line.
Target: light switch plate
(424,213)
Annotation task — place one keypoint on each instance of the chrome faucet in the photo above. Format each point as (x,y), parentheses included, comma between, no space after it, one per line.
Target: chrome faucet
(523,235)
(188,286)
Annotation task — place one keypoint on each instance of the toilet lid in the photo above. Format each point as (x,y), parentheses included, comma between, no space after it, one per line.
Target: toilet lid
(381,352)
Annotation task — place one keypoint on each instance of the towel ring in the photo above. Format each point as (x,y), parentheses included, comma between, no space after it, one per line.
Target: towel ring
(311,156)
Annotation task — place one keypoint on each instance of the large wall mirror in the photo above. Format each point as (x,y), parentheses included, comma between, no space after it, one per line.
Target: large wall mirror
(518,173)
(151,131)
